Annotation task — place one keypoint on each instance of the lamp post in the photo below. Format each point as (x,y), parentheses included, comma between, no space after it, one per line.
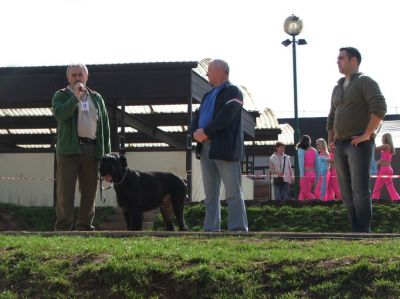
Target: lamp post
(293,26)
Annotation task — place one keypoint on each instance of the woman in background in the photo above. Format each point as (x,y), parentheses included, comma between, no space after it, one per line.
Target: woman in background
(281,170)
(321,190)
(385,169)
(308,166)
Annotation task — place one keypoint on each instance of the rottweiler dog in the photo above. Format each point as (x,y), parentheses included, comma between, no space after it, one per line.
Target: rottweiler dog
(139,191)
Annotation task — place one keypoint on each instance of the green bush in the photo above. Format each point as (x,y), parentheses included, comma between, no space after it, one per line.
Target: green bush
(293,216)
(296,216)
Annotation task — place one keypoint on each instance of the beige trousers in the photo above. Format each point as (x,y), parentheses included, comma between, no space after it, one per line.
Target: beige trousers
(70,168)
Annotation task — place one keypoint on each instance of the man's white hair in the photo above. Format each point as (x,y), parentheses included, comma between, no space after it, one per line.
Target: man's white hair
(220,64)
(80,65)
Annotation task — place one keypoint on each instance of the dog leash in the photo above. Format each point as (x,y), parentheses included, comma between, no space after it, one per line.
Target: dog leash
(123,178)
(113,183)
(102,197)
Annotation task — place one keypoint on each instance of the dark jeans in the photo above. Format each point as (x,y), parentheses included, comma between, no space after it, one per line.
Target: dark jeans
(281,192)
(353,171)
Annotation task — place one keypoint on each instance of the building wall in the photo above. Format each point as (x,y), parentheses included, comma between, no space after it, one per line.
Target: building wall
(28,179)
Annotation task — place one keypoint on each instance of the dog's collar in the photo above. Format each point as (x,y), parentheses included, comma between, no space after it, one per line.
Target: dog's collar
(123,178)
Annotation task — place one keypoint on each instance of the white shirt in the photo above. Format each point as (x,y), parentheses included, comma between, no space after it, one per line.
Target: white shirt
(276,164)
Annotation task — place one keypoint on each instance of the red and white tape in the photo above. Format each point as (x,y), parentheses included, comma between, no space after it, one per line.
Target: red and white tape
(21,178)
(261,176)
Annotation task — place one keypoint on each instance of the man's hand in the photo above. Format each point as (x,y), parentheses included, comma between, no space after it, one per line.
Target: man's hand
(79,88)
(373,124)
(355,140)
(200,136)
(331,139)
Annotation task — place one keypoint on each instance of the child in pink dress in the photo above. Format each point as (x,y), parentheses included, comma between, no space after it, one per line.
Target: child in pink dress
(321,189)
(308,166)
(385,169)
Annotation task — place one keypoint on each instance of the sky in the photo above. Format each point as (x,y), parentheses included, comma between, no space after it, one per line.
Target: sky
(247,34)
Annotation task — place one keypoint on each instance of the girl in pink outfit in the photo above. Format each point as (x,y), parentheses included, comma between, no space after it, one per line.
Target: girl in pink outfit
(321,189)
(333,184)
(387,151)
(308,166)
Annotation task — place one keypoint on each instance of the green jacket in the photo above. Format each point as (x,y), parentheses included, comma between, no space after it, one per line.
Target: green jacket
(65,109)
(351,108)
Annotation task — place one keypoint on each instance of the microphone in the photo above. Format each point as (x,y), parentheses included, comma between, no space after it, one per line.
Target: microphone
(81,87)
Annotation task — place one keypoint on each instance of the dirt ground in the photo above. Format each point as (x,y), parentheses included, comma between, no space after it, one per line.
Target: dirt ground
(10,222)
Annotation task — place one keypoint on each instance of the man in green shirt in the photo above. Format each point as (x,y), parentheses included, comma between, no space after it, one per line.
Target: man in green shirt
(357,109)
(83,137)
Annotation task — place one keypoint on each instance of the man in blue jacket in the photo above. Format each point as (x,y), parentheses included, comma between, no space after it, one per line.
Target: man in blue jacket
(217,128)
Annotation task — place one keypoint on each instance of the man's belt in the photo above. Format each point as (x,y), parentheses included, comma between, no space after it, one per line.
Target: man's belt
(83,140)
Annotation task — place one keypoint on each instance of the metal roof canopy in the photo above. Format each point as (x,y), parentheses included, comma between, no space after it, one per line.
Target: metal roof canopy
(159,83)
(139,83)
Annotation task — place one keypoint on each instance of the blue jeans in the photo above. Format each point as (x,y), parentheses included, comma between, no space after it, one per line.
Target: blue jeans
(281,192)
(353,167)
(213,172)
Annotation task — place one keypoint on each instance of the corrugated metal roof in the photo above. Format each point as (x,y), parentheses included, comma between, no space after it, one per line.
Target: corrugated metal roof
(154,144)
(25,112)
(267,119)
(128,130)
(163,128)
(286,137)
(32,131)
(173,128)
(202,67)
(109,67)
(147,109)
(34,145)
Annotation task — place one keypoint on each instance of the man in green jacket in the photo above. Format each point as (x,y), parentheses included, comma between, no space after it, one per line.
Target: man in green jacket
(357,109)
(83,137)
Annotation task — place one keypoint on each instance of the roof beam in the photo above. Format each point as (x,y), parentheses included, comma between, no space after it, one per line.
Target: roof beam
(139,137)
(46,121)
(28,122)
(146,128)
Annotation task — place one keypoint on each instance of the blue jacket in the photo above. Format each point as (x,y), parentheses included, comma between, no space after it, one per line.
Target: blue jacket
(225,131)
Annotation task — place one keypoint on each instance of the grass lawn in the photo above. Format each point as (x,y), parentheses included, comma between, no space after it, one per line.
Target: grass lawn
(197,267)
(288,217)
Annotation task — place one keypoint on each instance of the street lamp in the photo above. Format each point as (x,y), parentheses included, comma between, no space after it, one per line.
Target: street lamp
(293,26)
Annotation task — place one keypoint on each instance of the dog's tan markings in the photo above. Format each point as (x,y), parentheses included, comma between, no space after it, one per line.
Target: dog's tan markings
(167,211)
